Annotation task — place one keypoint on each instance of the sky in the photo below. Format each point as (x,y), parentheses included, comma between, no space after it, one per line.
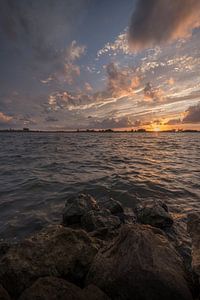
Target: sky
(97,64)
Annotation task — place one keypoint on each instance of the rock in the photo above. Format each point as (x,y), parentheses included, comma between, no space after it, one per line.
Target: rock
(139,264)
(55,251)
(155,214)
(95,220)
(3,294)
(180,239)
(52,288)
(76,207)
(128,216)
(194,231)
(92,292)
(104,234)
(4,246)
(113,206)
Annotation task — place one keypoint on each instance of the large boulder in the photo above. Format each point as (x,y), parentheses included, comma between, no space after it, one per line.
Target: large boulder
(76,207)
(55,251)
(194,231)
(96,220)
(53,288)
(140,264)
(179,237)
(4,294)
(155,214)
(113,206)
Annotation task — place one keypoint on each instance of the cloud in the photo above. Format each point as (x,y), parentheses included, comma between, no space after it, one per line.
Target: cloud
(51,119)
(74,51)
(120,45)
(87,87)
(68,70)
(158,21)
(68,101)
(5,118)
(192,114)
(112,123)
(40,25)
(153,94)
(121,82)
(174,122)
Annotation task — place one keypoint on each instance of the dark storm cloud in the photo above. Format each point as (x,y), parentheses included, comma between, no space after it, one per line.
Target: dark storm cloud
(157,21)
(41,25)
(192,114)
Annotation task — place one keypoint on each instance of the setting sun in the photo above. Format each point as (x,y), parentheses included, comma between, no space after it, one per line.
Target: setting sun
(156,129)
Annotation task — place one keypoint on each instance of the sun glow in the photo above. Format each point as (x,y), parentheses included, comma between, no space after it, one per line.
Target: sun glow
(156,129)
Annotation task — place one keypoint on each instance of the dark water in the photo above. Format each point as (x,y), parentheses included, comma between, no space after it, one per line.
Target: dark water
(38,171)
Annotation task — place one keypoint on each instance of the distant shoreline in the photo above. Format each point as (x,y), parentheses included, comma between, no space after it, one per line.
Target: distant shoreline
(96,131)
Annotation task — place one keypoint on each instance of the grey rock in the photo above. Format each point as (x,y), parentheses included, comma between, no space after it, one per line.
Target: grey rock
(55,251)
(95,220)
(76,207)
(140,264)
(155,214)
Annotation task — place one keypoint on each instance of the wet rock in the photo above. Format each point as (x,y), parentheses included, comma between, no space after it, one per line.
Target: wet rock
(4,294)
(155,214)
(52,288)
(55,251)
(140,264)
(76,207)
(96,220)
(113,206)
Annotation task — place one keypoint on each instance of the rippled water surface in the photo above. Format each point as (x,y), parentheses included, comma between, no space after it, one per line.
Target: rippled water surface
(38,171)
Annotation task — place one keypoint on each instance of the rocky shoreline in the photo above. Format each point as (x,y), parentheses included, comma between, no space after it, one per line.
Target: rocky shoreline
(106,251)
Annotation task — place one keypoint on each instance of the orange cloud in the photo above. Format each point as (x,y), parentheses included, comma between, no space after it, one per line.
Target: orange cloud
(159,21)
(121,82)
(4,118)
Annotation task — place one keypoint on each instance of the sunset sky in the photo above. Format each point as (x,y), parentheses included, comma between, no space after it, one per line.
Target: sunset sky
(69,64)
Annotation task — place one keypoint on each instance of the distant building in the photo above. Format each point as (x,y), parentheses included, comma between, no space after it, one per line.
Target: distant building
(26,129)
